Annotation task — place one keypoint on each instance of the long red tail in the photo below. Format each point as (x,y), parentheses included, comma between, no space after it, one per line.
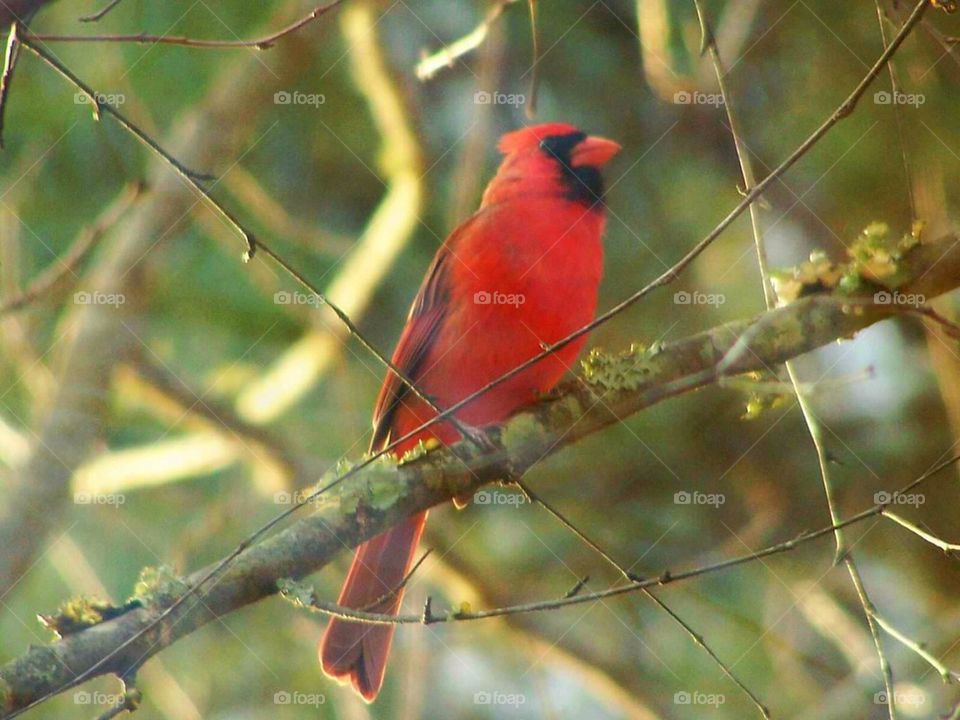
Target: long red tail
(357,651)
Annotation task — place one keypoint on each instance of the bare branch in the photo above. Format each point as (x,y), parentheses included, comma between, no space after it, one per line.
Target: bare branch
(101,13)
(631,577)
(6,77)
(947,547)
(946,674)
(262,43)
(57,274)
(436,61)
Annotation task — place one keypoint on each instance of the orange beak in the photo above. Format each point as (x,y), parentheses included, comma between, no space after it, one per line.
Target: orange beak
(594,151)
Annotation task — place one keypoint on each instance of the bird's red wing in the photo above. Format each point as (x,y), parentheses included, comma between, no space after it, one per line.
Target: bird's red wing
(350,650)
(417,337)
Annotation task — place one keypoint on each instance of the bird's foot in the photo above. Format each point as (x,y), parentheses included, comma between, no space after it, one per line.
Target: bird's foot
(479,437)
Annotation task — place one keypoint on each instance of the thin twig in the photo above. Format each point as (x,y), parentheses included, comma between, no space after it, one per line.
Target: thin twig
(947,43)
(949,327)
(100,108)
(946,673)
(920,532)
(776,387)
(57,273)
(101,13)
(870,611)
(530,108)
(392,592)
(130,702)
(262,43)
(631,577)
(6,78)
(569,525)
(433,63)
(897,113)
(709,45)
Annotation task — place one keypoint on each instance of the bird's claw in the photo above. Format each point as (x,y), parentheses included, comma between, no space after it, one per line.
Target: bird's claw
(479,437)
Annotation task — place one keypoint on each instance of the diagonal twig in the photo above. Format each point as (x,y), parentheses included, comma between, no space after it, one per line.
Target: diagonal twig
(57,274)
(101,13)
(262,43)
(436,61)
(632,578)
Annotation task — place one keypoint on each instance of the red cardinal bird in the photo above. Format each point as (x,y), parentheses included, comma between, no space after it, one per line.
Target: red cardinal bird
(524,270)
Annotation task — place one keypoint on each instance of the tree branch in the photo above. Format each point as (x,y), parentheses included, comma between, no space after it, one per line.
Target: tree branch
(383,493)
(262,43)
(60,271)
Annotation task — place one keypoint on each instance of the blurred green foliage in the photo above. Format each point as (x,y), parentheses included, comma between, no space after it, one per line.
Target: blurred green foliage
(790,626)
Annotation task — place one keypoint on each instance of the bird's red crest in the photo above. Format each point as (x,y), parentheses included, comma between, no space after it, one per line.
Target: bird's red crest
(530,136)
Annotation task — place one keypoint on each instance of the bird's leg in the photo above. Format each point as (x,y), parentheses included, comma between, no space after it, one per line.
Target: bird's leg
(478,436)
(484,442)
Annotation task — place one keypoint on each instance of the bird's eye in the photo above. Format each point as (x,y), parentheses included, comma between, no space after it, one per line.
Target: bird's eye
(560,146)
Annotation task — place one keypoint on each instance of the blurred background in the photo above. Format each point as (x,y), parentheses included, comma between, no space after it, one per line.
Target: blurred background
(164,399)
